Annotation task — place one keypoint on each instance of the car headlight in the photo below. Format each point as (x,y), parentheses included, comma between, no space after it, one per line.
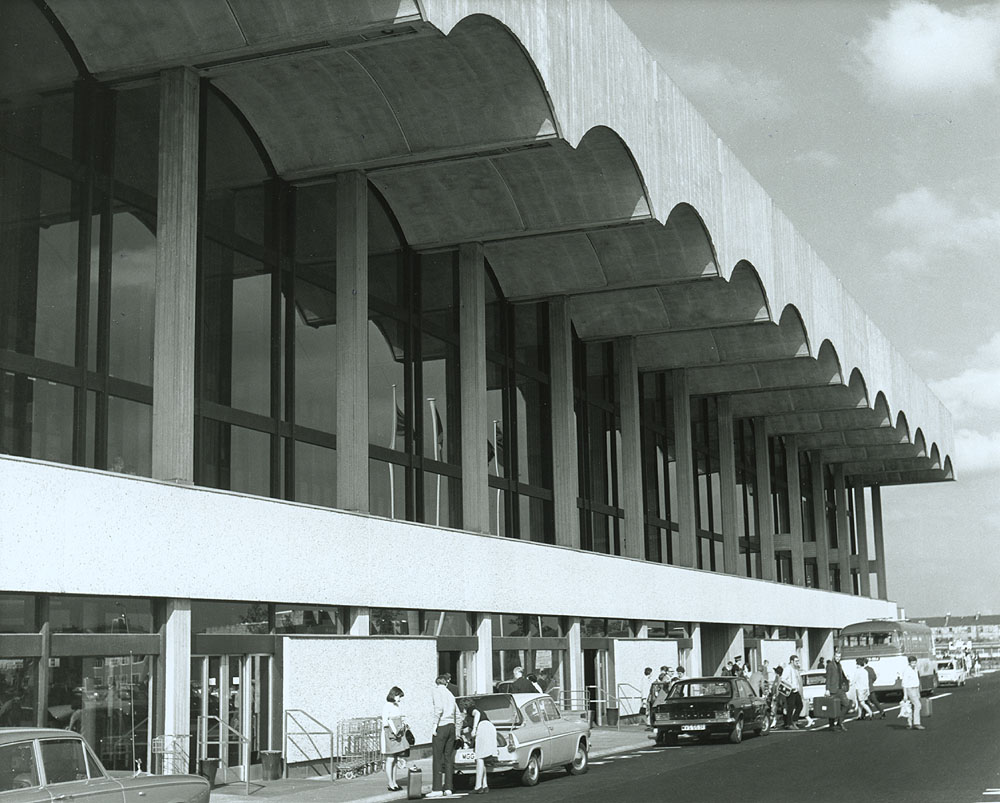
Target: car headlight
(721,714)
(511,742)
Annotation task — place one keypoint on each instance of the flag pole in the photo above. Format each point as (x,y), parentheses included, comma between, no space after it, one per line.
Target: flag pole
(496,455)
(392,445)
(434,425)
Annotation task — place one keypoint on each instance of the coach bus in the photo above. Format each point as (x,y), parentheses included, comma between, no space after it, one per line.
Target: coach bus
(887,644)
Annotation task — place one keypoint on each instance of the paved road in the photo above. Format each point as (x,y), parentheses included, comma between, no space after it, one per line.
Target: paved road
(957,759)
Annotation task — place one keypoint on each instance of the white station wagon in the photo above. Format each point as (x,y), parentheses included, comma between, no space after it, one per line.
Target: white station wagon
(539,737)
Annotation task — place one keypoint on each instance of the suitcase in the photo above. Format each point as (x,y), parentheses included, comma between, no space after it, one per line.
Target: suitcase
(414,784)
(926,707)
(826,708)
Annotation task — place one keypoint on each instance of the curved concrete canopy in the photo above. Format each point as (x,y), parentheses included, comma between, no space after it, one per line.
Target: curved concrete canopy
(466,114)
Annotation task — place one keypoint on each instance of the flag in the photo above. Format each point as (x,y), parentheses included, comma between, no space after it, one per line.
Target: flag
(490,452)
(440,436)
(499,444)
(400,423)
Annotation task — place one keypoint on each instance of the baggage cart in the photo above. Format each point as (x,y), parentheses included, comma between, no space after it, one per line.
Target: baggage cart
(358,747)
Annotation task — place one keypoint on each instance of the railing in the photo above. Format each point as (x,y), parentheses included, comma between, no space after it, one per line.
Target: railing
(572,699)
(630,700)
(223,745)
(292,717)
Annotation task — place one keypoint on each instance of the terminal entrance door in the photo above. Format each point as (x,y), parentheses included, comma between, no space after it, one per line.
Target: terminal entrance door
(595,678)
(230,694)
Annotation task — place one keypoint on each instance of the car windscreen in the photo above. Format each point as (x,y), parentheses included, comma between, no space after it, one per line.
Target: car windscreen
(702,688)
(814,680)
(500,708)
(945,665)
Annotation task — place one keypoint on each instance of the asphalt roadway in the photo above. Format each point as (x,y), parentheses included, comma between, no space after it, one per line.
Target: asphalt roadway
(956,759)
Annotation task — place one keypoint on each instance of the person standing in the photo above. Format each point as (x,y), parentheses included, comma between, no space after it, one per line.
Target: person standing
(911,692)
(521,684)
(860,690)
(837,685)
(486,748)
(444,720)
(394,744)
(791,678)
(872,696)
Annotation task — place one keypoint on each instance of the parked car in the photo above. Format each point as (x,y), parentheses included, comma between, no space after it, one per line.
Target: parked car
(952,671)
(706,707)
(39,765)
(538,736)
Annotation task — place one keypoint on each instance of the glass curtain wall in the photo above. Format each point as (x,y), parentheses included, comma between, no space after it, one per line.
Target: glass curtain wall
(707,497)
(746,496)
(781,521)
(519,418)
(659,466)
(78,174)
(413,379)
(599,447)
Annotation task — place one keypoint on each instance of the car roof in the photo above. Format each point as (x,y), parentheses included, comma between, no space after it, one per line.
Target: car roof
(9,735)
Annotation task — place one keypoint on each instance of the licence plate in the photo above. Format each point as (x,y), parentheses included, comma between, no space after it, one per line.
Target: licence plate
(466,756)
(692,727)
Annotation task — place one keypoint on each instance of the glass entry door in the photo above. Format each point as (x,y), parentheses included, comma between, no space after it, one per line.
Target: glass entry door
(595,678)
(230,695)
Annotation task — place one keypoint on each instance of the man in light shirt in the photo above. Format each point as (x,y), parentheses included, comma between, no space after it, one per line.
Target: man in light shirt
(792,678)
(443,743)
(911,692)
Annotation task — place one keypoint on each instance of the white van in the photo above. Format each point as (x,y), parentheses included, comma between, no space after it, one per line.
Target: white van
(952,671)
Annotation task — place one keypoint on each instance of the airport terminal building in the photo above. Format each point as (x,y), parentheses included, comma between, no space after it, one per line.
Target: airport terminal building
(344,343)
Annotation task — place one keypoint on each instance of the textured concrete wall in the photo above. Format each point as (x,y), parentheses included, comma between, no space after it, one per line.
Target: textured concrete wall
(336,679)
(631,657)
(80,531)
(597,73)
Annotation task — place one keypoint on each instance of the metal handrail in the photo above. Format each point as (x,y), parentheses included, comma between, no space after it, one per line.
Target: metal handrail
(638,695)
(244,742)
(289,712)
(574,699)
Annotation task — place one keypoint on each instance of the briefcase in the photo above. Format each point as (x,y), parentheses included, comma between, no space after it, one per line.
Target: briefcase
(826,708)
(414,784)
(926,706)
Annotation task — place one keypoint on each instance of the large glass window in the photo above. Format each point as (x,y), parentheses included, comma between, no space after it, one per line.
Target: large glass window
(747,497)
(659,466)
(779,484)
(68,614)
(707,497)
(18,692)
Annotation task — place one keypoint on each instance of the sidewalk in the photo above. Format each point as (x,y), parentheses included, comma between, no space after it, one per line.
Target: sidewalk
(372,788)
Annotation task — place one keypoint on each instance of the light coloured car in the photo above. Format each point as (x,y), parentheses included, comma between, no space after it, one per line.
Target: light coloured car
(813,686)
(952,672)
(40,765)
(538,737)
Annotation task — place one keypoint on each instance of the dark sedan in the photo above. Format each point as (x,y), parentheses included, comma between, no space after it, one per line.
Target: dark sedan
(705,707)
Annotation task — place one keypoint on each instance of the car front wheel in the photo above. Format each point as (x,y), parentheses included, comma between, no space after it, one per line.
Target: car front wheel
(531,772)
(579,764)
(736,734)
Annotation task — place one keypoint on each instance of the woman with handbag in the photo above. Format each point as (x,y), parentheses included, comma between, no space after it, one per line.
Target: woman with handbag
(486,747)
(394,742)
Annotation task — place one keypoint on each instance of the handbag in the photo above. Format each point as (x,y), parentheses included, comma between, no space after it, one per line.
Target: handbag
(410,738)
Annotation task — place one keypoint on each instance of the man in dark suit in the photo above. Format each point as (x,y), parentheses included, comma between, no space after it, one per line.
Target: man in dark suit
(521,684)
(837,685)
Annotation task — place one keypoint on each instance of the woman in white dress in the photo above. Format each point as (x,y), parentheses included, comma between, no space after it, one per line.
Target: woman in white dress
(394,744)
(860,689)
(486,746)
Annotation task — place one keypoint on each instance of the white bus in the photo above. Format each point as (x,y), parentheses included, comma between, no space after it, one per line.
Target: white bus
(887,644)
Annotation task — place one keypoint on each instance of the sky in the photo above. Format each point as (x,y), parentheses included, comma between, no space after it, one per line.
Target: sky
(875,127)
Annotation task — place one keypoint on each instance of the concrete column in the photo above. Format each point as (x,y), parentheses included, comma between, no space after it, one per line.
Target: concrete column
(361,621)
(861,526)
(483,680)
(727,487)
(352,341)
(795,509)
(687,549)
(765,517)
(566,470)
(472,352)
(819,518)
(574,656)
(803,652)
(175,279)
(843,529)
(694,666)
(883,592)
(631,467)
(176,667)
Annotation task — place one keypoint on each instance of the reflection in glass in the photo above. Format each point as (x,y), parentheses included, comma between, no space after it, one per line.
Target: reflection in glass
(71,614)
(133,266)
(17,613)
(229,617)
(18,691)
(315,475)
(317,619)
(130,437)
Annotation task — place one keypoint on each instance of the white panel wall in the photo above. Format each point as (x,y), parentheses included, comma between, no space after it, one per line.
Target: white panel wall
(80,531)
(776,651)
(356,675)
(632,656)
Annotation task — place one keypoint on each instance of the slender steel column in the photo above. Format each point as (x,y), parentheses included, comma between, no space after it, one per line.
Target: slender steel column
(883,592)
(861,527)
(687,550)
(843,529)
(819,521)
(727,487)
(765,517)
(795,508)
(566,470)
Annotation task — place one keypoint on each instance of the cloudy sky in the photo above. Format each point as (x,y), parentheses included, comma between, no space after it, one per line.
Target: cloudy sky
(875,126)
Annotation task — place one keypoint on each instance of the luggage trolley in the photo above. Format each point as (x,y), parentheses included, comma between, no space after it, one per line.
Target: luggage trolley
(359,747)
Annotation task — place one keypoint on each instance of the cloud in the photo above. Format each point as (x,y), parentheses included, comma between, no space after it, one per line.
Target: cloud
(727,93)
(975,451)
(919,50)
(938,231)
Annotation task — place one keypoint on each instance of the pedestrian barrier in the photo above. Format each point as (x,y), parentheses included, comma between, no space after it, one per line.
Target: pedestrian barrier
(307,735)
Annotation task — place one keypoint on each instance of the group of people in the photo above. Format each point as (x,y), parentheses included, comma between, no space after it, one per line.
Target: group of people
(658,687)
(454,723)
